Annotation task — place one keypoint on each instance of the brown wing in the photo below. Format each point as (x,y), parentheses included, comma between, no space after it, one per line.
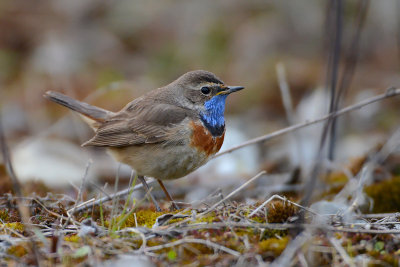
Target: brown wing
(139,124)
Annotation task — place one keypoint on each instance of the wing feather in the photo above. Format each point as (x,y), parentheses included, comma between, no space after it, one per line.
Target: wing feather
(137,126)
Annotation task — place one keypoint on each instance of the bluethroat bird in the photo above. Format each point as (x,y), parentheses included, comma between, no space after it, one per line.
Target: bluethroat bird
(167,133)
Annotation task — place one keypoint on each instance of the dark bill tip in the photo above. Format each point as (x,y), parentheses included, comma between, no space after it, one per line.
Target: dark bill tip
(232,89)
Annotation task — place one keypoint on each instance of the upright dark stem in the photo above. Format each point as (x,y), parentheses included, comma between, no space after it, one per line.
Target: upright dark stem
(333,69)
(22,209)
(350,65)
(333,65)
(398,28)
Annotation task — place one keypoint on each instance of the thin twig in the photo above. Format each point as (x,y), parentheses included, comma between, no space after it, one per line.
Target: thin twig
(24,212)
(83,184)
(341,251)
(365,175)
(233,192)
(230,224)
(22,209)
(115,199)
(302,259)
(353,51)
(288,105)
(291,249)
(136,231)
(49,211)
(381,215)
(86,202)
(285,92)
(207,243)
(333,72)
(350,64)
(398,28)
(70,212)
(171,226)
(283,199)
(285,226)
(390,92)
(121,193)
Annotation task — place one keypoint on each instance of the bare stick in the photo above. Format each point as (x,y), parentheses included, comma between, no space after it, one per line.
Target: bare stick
(24,212)
(390,92)
(231,224)
(283,226)
(121,193)
(341,251)
(115,199)
(381,215)
(219,202)
(196,241)
(365,174)
(285,92)
(49,211)
(334,31)
(79,196)
(136,231)
(291,249)
(234,192)
(283,199)
(22,209)
(302,259)
(288,105)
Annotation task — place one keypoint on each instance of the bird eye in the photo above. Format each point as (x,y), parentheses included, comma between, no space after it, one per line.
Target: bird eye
(205,90)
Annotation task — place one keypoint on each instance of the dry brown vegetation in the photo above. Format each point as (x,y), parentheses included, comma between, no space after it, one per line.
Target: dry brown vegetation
(327,192)
(66,232)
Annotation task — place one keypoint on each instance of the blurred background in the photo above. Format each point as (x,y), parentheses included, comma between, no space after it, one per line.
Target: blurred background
(109,52)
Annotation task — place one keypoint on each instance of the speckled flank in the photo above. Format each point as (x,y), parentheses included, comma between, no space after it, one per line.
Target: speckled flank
(204,141)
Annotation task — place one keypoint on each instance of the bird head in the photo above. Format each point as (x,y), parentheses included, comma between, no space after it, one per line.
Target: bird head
(207,94)
(200,87)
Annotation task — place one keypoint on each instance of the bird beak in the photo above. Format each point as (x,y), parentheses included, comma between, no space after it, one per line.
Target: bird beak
(226,90)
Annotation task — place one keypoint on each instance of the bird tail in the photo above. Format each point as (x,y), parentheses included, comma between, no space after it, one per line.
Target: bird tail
(94,114)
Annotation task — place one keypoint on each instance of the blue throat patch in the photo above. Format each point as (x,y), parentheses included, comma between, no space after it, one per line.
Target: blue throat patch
(213,117)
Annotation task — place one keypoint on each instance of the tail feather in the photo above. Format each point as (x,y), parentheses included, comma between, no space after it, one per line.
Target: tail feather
(95,113)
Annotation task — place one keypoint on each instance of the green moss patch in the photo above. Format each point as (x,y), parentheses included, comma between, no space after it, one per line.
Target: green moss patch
(385,195)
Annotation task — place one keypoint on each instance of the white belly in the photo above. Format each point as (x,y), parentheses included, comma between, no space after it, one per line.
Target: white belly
(164,163)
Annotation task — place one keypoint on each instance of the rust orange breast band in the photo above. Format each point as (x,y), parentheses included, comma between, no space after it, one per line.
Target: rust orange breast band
(204,141)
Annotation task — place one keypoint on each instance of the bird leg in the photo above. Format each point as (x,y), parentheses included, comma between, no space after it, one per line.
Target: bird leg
(146,186)
(176,207)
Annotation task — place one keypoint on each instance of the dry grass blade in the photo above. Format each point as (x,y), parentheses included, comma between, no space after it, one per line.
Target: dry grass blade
(136,231)
(121,193)
(288,105)
(22,209)
(234,192)
(24,212)
(213,207)
(334,32)
(70,212)
(197,241)
(285,93)
(342,252)
(290,251)
(285,226)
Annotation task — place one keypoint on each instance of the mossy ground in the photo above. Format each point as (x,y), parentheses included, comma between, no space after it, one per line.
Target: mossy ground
(70,247)
(228,227)
(225,236)
(385,195)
